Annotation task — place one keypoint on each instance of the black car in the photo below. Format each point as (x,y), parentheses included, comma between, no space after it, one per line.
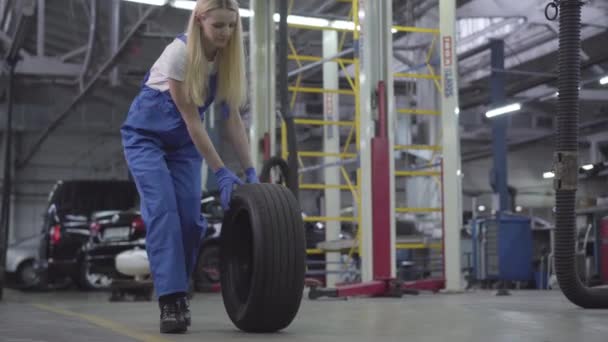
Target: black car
(66,224)
(111,233)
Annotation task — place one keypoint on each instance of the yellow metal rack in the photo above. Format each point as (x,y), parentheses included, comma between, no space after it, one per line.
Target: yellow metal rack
(297,88)
(436,174)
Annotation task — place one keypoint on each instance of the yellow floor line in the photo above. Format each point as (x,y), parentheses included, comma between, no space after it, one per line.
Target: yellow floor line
(104,323)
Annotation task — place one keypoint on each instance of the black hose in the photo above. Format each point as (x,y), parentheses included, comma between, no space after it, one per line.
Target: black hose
(566,161)
(292,160)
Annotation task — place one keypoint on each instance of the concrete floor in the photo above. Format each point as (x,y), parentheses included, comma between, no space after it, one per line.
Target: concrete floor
(530,316)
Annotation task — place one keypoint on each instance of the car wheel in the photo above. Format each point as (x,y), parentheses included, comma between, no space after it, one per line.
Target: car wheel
(207,275)
(27,277)
(91,280)
(275,170)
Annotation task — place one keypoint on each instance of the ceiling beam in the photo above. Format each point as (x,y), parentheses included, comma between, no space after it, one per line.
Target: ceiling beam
(86,89)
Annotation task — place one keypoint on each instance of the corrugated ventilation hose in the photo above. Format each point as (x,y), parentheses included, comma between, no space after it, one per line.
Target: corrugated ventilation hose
(566,159)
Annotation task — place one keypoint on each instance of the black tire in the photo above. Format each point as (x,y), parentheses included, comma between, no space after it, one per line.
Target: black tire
(27,278)
(275,162)
(88,281)
(207,268)
(262,258)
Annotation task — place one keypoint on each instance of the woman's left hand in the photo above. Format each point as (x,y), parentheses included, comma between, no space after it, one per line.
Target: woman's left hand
(251,176)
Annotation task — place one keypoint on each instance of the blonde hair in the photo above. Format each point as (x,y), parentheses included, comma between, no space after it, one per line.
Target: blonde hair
(231,81)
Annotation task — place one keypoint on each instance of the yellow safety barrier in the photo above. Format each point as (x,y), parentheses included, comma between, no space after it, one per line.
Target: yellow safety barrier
(418,147)
(354,134)
(417,76)
(418,111)
(412,29)
(435,173)
(308,58)
(344,29)
(327,218)
(313,154)
(347,75)
(416,173)
(435,245)
(314,251)
(418,210)
(322,90)
(320,28)
(323,186)
(322,122)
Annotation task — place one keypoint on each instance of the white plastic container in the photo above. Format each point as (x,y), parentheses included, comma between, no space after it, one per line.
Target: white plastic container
(133,262)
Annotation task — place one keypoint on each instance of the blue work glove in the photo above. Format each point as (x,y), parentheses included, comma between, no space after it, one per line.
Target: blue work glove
(226,181)
(251,176)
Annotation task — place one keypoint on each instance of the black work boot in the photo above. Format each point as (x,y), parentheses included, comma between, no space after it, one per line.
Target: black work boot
(185,309)
(171,318)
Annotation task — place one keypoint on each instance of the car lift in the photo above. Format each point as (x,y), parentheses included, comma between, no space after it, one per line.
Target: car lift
(382,285)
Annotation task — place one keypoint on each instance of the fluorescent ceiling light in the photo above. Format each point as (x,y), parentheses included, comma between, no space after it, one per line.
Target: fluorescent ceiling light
(299,20)
(184,4)
(604,80)
(548,175)
(503,110)
(151,2)
(342,25)
(245,13)
(588,167)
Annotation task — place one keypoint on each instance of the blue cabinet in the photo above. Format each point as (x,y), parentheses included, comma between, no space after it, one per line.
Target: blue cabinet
(502,248)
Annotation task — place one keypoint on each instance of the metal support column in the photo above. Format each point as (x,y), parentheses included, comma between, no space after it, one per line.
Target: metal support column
(375,119)
(263,76)
(114,38)
(24,20)
(452,189)
(391,116)
(375,48)
(498,176)
(368,49)
(7,184)
(40,34)
(331,144)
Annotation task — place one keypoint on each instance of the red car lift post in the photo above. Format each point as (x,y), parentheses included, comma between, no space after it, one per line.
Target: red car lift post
(382,284)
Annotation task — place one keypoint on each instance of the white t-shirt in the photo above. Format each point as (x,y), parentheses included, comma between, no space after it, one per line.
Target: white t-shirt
(171,64)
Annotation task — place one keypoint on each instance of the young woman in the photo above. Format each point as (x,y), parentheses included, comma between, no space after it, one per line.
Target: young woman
(164,141)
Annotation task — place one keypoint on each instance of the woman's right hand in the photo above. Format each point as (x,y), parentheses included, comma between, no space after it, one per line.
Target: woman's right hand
(226,181)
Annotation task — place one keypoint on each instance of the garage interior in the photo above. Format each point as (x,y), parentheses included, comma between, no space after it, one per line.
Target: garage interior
(419,137)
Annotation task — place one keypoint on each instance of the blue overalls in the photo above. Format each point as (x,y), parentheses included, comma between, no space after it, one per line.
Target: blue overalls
(166,167)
